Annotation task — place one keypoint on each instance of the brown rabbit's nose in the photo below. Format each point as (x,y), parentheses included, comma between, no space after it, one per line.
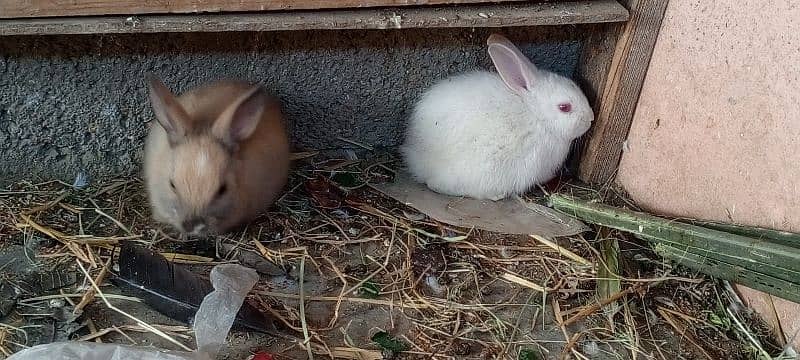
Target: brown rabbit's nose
(194,226)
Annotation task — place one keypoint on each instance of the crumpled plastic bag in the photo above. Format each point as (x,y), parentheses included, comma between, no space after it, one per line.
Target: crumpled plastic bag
(212,323)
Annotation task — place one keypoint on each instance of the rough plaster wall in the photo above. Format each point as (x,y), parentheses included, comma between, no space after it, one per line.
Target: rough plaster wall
(717,128)
(71,103)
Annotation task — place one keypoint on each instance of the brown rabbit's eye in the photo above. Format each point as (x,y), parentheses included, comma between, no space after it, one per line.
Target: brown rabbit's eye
(222,190)
(565,107)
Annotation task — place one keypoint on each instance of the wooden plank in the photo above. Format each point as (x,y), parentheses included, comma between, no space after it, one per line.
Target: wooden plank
(532,14)
(619,94)
(598,50)
(60,8)
(596,58)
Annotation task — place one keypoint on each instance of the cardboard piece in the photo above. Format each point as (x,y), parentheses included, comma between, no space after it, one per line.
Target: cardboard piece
(508,216)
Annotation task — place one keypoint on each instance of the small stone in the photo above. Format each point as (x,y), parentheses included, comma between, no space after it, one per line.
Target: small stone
(591,348)
(57,303)
(462,348)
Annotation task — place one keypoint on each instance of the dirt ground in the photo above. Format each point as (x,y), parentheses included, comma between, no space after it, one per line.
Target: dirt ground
(371,265)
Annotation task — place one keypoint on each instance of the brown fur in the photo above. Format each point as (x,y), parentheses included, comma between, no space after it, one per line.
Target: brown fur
(194,144)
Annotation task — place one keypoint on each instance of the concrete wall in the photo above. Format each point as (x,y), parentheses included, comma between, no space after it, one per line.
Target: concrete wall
(717,128)
(69,103)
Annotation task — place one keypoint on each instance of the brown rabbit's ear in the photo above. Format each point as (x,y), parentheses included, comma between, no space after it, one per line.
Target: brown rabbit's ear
(169,112)
(241,118)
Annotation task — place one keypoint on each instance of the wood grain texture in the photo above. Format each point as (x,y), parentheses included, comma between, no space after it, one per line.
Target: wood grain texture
(619,90)
(529,14)
(58,8)
(592,72)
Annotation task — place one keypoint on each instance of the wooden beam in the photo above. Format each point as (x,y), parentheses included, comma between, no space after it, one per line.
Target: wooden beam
(618,92)
(60,8)
(528,14)
(592,72)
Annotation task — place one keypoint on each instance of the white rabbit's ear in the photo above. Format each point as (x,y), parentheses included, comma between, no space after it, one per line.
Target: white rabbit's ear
(169,112)
(514,68)
(240,120)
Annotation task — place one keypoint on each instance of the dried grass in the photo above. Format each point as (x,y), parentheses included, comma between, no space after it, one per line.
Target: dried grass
(450,293)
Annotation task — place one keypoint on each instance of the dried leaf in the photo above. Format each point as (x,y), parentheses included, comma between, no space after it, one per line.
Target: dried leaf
(324,195)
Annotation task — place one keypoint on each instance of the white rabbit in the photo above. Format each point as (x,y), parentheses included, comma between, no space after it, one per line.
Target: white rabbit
(486,136)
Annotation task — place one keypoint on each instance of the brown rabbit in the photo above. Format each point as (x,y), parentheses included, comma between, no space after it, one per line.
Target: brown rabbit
(217,157)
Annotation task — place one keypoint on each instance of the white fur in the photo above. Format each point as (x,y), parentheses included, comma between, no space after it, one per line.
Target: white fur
(471,135)
(202,162)
(164,207)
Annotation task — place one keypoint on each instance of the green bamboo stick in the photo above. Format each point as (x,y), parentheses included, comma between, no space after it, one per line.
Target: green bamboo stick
(776,260)
(722,270)
(759,267)
(608,280)
(775,236)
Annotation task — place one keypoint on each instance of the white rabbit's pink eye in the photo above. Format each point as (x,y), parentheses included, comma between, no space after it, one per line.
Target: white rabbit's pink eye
(565,107)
